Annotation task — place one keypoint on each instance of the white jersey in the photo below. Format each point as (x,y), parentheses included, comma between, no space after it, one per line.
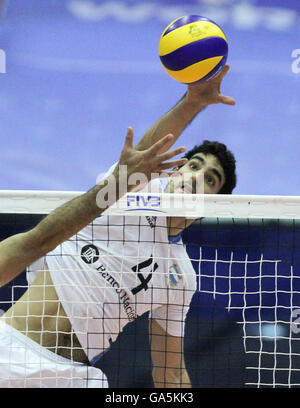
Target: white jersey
(116,269)
(26,364)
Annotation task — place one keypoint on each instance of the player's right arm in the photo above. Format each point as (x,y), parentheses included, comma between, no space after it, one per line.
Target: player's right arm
(167,355)
(196,99)
(19,251)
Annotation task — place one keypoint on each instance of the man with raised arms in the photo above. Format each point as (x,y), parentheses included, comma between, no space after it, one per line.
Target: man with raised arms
(89,286)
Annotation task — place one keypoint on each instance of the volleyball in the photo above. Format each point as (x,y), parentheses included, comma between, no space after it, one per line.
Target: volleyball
(192,49)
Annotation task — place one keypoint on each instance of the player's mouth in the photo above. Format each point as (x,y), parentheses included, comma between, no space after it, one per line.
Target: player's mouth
(183,188)
(187,189)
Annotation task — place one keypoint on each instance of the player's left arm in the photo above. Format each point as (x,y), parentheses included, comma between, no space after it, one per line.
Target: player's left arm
(19,251)
(169,369)
(197,97)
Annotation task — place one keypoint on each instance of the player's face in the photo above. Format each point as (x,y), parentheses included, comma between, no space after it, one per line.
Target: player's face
(203,173)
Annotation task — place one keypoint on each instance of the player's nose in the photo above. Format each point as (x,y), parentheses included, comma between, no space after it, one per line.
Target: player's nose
(198,182)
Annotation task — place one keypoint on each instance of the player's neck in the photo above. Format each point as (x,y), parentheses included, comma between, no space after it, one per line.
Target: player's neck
(177,224)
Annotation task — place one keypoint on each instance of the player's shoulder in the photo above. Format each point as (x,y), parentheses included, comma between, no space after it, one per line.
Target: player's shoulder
(102,176)
(184,265)
(155,185)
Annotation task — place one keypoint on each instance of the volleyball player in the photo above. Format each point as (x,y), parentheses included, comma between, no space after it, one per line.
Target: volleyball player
(87,289)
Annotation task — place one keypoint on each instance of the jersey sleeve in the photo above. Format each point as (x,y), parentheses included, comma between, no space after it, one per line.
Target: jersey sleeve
(171,318)
(154,186)
(103,176)
(34,269)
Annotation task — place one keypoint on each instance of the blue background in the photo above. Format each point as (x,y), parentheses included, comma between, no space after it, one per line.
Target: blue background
(80,71)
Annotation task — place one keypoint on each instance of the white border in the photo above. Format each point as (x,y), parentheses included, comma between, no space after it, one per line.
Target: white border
(208,205)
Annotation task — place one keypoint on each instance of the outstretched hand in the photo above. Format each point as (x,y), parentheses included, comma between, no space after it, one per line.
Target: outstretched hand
(208,93)
(149,162)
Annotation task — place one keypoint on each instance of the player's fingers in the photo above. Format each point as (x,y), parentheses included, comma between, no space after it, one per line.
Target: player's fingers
(219,78)
(227,100)
(161,174)
(223,72)
(171,153)
(160,144)
(172,164)
(129,137)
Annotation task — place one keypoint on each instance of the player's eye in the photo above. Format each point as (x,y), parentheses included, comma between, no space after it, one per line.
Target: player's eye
(193,166)
(210,180)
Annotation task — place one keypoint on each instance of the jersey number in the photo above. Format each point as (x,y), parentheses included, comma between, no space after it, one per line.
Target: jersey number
(144,281)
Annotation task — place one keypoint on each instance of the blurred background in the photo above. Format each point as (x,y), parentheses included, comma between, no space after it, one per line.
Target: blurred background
(78,72)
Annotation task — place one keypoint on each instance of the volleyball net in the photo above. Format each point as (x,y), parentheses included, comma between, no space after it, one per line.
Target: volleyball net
(242,328)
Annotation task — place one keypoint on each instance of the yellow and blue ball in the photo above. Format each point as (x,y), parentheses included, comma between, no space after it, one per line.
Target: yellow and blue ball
(193,48)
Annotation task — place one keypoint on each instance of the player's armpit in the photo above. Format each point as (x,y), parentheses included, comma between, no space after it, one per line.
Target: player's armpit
(168,359)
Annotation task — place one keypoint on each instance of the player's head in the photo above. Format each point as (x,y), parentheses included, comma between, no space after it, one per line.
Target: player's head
(215,163)
(223,158)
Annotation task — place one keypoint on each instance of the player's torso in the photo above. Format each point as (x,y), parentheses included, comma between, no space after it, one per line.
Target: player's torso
(132,264)
(112,272)
(46,321)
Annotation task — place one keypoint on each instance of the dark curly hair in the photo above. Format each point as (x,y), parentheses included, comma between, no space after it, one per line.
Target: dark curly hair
(226,159)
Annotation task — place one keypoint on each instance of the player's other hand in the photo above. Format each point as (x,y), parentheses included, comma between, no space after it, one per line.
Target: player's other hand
(149,162)
(208,93)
